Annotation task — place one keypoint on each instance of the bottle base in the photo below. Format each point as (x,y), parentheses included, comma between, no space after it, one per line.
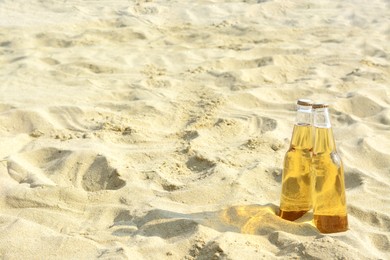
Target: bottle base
(291,215)
(331,224)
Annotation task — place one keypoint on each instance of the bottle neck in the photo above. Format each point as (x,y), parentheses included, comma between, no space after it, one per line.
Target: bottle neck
(304,115)
(321,118)
(302,137)
(302,133)
(324,141)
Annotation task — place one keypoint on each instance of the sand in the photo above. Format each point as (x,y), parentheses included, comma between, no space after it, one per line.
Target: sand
(157,129)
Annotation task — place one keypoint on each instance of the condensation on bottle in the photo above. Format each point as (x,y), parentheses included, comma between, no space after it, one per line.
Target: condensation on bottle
(328,194)
(295,199)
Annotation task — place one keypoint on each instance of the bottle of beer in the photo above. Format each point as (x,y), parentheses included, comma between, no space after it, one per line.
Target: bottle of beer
(295,199)
(329,203)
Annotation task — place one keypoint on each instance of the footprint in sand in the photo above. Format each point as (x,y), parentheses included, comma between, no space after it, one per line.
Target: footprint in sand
(51,166)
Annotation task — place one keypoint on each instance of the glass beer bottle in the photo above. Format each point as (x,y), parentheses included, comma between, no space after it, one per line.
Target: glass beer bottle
(295,199)
(329,203)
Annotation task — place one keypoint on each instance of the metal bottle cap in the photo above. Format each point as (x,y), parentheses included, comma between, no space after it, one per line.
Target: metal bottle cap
(320,105)
(304,102)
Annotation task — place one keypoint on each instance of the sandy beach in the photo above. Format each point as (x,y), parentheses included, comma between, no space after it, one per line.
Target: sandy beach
(151,129)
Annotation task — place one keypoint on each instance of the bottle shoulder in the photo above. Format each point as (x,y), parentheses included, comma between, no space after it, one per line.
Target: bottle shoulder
(293,151)
(328,157)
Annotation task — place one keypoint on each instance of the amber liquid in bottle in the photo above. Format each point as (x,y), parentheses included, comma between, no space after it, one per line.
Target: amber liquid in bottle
(329,203)
(296,181)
